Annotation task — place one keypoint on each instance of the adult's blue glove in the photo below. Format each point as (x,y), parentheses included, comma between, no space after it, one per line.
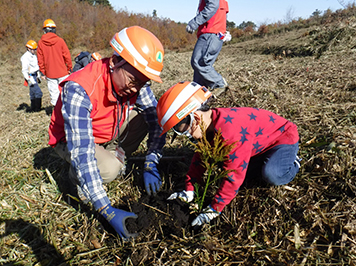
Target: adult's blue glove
(117,218)
(205,217)
(151,177)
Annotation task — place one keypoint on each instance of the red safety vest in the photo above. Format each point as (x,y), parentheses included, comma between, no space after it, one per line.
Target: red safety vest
(218,22)
(95,78)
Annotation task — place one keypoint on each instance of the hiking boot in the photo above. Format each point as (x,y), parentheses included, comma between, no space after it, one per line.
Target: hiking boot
(38,104)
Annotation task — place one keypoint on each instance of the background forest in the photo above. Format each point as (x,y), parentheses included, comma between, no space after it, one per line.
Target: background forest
(88,25)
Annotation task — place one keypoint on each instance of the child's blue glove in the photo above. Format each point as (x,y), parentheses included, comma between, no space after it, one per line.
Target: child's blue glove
(205,217)
(151,177)
(117,218)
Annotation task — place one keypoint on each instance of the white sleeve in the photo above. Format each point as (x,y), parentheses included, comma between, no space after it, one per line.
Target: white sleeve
(25,66)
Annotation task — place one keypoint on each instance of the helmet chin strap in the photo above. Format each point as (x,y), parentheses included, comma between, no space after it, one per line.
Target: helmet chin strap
(119,64)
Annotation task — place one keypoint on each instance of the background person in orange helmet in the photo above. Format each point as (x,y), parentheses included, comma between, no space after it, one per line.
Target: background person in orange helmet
(30,72)
(104,112)
(84,58)
(265,145)
(54,59)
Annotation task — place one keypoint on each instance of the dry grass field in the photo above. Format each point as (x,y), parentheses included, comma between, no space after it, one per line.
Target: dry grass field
(307,76)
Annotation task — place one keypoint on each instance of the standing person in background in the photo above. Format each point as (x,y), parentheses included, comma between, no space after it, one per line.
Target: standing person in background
(30,71)
(84,58)
(104,113)
(54,59)
(211,24)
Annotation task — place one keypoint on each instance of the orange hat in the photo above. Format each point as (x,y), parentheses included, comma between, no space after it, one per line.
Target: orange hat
(178,102)
(49,23)
(96,56)
(31,44)
(141,49)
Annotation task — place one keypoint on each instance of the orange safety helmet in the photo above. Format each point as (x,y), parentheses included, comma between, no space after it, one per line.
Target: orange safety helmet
(49,23)
(31,44)
(96,56)
(178,102)
(141,49)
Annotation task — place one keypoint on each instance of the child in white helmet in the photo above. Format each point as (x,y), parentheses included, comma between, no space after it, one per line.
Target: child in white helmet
(30,71)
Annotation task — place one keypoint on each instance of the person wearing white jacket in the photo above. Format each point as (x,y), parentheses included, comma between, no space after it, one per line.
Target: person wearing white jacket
(30,71)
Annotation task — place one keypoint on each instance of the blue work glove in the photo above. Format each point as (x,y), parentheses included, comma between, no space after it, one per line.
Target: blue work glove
(117,218)
(206,216)
(151,177)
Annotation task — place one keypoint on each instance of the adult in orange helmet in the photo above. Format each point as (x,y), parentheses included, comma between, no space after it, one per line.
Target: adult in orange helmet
(264,144)
(104,112)
(30,72)
(210,22)
(54,59)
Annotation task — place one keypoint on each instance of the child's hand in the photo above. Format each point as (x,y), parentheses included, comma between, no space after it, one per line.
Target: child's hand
(205,217)
(186,196)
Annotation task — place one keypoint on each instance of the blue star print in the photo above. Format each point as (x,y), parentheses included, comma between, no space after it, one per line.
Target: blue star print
(257,147)
(252,116)
(244,133)
(281,129)
(220,199)
(259,132)
(244,165)
(228,119)
(233,156)
(230,178)
(271,119)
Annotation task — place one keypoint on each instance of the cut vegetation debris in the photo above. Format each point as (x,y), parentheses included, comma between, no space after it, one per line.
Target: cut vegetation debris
(309,222)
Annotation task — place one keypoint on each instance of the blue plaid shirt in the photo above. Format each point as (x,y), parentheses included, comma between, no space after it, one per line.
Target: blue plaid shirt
(76,111)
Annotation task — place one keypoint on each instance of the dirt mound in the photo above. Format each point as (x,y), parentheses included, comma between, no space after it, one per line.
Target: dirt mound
(156,213)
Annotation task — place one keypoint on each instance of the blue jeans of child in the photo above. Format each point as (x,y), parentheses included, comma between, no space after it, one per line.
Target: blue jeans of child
(35,90)
(206,50)
(277,166)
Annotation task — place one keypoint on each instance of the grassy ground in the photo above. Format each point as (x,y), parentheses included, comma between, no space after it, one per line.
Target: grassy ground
(311,221)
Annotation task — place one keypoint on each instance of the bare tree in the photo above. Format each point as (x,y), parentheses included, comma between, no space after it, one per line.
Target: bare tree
(289,15)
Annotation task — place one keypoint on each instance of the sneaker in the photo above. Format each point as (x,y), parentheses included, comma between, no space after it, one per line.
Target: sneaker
(297,161)
(220,90)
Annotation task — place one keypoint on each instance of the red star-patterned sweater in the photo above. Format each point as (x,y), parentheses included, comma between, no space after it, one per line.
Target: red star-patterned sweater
(255,131)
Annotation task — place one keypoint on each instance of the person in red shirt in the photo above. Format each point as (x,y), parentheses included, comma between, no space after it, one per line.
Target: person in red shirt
(210,22)
(262,141)
(54,59)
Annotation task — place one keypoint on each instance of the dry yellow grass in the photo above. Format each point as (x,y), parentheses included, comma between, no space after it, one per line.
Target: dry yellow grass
(311,221)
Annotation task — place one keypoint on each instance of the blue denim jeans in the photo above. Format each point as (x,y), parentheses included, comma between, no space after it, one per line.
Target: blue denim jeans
(277,166)
(35,90)
(206,50)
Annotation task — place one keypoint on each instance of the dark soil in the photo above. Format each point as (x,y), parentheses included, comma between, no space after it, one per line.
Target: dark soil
(156,213)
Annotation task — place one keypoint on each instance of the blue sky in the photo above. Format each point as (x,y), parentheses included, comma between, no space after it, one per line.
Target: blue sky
(258,11)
